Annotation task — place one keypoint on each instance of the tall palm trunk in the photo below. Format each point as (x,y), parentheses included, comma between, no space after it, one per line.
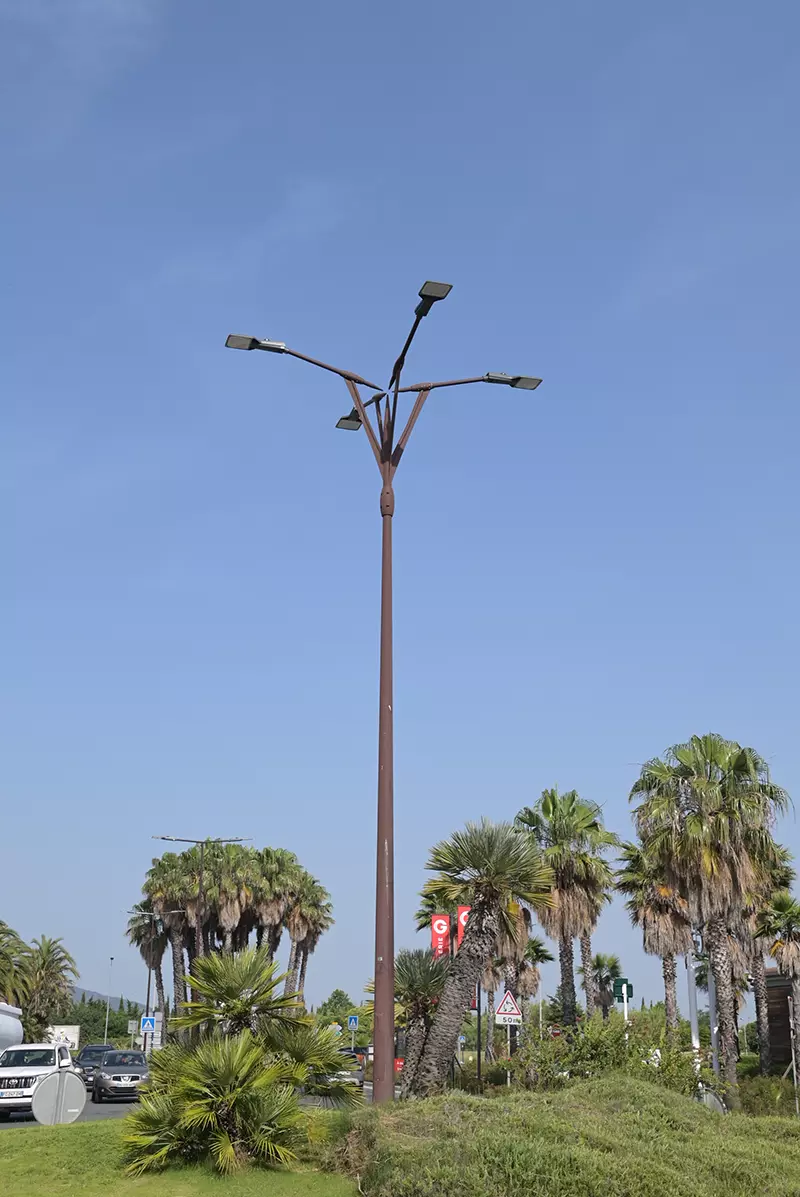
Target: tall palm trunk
(178,968)
(158,972)
(762,1014)
(416,1034)
(489,1053)
(720,960)
(292,969)
(274,936)
(259,936)
(588,977)
(566,960)
(229,941)
(301,984)
(440,1046)
(669,969)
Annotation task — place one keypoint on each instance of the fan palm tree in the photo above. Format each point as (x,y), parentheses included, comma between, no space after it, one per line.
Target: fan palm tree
(277,872)
(779,924)
(705,813)
(169,886)
(781,877)
(236,993)
(146,932)
(663,916)
(320,921)
(570,833)
(419,979)
(529,977)
(306,901)
(491,869)
(605,970)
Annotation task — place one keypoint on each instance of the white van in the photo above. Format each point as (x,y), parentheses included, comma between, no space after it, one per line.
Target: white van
(10,1026)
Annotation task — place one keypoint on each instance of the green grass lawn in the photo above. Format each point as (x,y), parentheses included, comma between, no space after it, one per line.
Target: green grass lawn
(611,1137)
(85,1159)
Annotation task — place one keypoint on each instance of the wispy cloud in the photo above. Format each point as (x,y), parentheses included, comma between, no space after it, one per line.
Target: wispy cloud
(56,54)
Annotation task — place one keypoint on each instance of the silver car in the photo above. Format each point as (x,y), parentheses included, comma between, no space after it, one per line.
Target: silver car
(120,1075)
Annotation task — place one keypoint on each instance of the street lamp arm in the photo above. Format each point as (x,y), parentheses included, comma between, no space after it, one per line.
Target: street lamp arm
(432,386)
(347,375)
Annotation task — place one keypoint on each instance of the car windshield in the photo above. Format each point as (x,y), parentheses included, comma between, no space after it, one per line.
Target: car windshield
(92,1057)
(123,1060)
(28,1057)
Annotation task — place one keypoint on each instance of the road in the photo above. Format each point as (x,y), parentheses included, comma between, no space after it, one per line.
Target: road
(118,1109)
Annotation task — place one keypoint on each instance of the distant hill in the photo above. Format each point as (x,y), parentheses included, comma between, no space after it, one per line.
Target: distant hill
(114,1003)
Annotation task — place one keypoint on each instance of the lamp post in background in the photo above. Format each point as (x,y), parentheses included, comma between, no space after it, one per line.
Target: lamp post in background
(177,839)
(108,997)
(388,448)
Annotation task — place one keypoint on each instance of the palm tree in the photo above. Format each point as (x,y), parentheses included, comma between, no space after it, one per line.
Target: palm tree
(276,875)
(12,950)
(303,913)
(419,980)
(236,993)
(780,878)
(570,833)
(605,970)
(490,868)
(529,978)
(48,975)
(169,887)
(705,813)
(146,932)
(320,921)
(663,916)
(779,923)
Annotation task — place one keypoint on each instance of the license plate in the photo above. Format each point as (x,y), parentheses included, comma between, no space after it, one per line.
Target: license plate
(11,1093)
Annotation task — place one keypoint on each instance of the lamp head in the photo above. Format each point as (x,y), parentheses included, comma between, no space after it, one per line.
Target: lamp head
(350,423)
(235,341)
(429,294)
(522,382)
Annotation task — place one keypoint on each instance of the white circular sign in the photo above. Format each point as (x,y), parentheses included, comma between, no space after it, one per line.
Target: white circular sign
(60,1097)
(441,926)
(463,917)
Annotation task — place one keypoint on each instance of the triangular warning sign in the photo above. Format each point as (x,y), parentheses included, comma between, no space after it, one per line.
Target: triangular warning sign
(509,1006)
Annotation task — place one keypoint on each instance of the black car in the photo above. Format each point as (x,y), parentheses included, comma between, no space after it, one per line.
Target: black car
(88,1060)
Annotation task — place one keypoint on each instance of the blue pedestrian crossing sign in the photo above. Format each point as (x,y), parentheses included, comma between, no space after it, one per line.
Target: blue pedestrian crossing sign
(147,1024)
(352,1022)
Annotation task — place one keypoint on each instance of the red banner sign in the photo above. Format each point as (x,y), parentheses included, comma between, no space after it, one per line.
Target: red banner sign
(440,934)
(463,915)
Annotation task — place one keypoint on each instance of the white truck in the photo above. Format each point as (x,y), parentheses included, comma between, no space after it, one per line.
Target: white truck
(10,1026)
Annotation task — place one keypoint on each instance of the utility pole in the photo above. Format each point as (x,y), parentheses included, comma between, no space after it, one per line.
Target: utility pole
(387,449)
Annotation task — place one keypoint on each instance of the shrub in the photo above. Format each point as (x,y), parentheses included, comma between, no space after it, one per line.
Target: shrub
(615,1135)
(767,1095)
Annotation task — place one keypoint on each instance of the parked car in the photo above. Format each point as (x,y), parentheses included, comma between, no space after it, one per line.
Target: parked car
(21,1069)
(88,1060)
(120,1074)
(352,1069)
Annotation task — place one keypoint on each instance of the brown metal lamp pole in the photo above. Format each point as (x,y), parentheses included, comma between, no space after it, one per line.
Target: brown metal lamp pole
(387,451)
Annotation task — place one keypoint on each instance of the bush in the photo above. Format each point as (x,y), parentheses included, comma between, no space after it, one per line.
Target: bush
(616,1135)
(767,1095)
(597,1048)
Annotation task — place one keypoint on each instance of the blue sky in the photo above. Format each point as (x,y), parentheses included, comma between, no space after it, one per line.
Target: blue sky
(584,575)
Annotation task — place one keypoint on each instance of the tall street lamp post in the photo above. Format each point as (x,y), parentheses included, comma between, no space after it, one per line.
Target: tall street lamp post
(108,997)
(388,448)
(201,844)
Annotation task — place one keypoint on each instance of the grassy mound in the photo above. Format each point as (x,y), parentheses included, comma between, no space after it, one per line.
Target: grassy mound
(85,1160)
(612,1137)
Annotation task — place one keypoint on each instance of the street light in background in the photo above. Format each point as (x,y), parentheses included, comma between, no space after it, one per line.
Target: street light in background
(108,997)
(388,450)
(177,839)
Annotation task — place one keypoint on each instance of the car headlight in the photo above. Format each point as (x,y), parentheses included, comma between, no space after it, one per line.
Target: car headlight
(105,1076)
